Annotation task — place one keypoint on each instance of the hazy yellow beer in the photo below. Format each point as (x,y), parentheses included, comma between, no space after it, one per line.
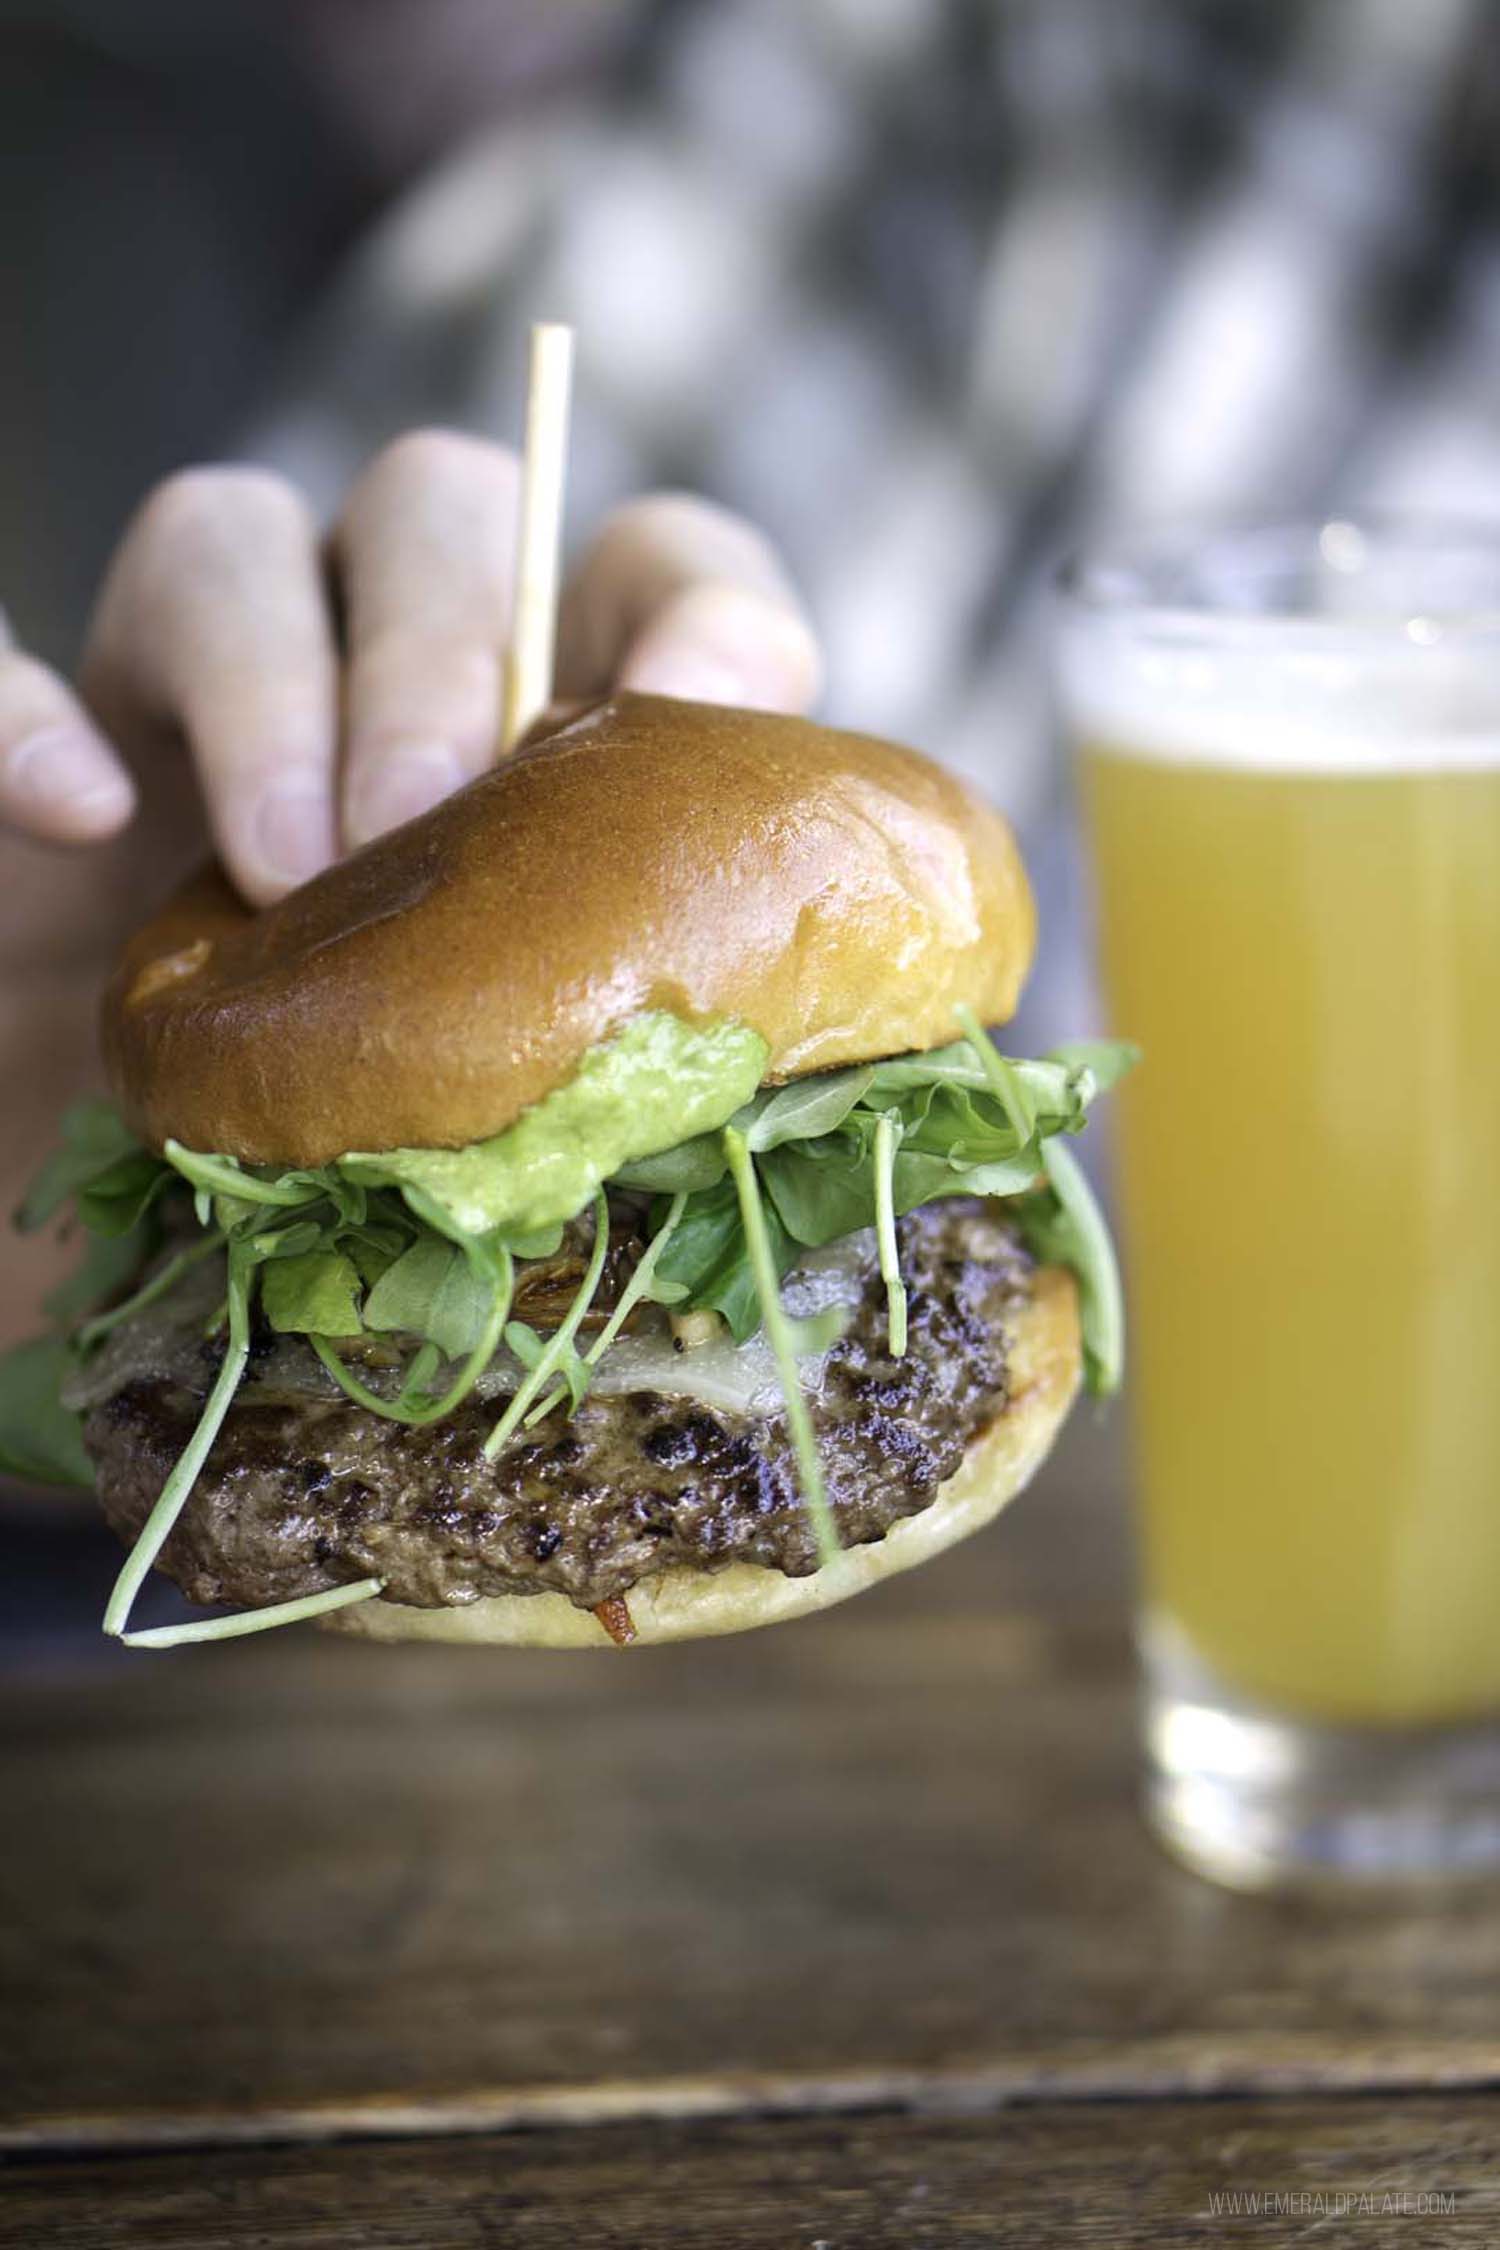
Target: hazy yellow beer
(1311,1190)
(1289,759)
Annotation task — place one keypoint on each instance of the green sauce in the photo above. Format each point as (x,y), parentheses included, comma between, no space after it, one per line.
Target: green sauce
(658,1082)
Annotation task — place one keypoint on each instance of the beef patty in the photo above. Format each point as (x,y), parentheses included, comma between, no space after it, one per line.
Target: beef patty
(299,1497)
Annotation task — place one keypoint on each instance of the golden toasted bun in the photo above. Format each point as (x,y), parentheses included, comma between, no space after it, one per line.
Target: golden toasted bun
(684,1605)
(837,893)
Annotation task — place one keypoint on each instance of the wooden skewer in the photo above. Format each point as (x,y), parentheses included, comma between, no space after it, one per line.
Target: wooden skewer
(533,636)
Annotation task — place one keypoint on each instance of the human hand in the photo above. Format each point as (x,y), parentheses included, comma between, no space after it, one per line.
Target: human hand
(325,690)
(290,697)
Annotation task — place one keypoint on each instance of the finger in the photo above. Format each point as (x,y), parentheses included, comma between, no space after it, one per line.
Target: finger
(214,621)
(59,779)
(426,549)
(677,597)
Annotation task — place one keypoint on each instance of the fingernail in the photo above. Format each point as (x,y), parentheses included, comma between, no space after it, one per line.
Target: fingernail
(67,770)
(689,674)
(726,644)
(292,833)
(405,781)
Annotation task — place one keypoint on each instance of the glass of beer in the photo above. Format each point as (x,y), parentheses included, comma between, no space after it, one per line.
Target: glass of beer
(1289,755)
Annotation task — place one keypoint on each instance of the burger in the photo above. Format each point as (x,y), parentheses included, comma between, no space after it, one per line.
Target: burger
(593,1213)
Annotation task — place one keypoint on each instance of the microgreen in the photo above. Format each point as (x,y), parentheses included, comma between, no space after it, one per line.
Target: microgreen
(639,1286)
(1072,1231)
(1011,1090)
(225,1175)
(159,1524)
(255,1620)
(161,1284)
(550,1359)
(955,1125)
(403,1408)
(410,1247)
(782,1343)
(886,1133)
(110,1263)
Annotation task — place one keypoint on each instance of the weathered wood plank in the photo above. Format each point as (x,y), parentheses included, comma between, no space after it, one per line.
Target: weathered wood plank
(1116,2174)
(315,1886)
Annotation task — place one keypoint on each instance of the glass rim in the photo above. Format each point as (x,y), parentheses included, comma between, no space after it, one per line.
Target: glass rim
(1121,578)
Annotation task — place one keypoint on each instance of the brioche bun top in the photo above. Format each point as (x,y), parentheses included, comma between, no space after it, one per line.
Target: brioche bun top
(837,893)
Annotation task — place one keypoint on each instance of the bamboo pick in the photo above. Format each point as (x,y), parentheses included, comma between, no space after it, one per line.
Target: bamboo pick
(533,638)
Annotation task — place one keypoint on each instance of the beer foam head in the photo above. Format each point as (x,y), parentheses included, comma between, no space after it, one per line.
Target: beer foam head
(1329,668)
(1285,709)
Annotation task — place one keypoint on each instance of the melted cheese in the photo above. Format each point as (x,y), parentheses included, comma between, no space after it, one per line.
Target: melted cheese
(166,1343)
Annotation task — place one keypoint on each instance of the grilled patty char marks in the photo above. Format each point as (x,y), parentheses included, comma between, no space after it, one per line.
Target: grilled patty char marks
(294,1499)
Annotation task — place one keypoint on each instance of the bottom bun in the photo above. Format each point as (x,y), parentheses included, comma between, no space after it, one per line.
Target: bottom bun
(684,1604)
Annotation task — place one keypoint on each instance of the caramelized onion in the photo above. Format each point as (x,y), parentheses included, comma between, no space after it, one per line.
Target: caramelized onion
(614,1616)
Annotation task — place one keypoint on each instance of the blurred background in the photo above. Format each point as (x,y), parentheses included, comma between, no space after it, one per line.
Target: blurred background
(927,287)
(932,289)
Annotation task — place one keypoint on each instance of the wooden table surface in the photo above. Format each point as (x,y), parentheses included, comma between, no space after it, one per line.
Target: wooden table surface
(840,1934)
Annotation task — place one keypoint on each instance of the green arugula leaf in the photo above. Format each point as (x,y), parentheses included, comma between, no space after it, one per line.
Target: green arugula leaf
(917,1179)
(709,1256)
(375,1250)
(94,1137)
(955,1065)
(118,1198)
(41,1442)
(964,1120)
(821,1190)
(351,1199)
(1011,1178)
(432,1290)
(311,1293)
(498,1269)
(685,1170)
(110,1264)
(803,1111)
(1105,1060)
(966,1125)
(286,1242)
(541,1242)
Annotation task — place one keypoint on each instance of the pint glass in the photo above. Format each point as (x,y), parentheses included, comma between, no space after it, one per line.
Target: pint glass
(1289,758)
